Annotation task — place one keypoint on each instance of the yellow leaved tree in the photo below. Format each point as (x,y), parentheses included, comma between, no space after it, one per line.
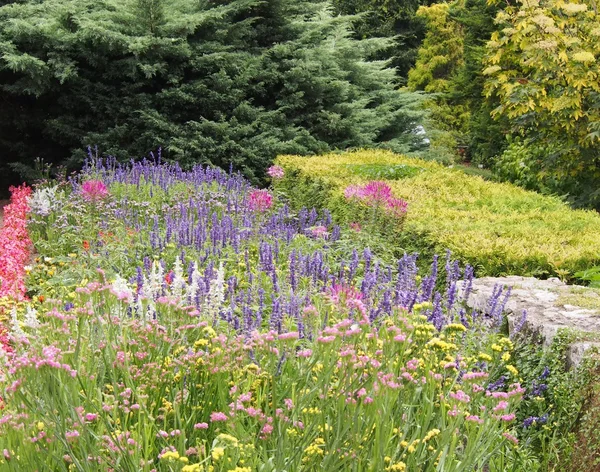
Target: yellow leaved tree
(541,67)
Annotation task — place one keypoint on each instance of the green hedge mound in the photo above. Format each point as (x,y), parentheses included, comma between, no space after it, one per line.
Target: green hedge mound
(498,228)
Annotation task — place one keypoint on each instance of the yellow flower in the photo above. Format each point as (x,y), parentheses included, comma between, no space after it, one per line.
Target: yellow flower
(512,369)
(217,453)
(228,438)
(434,432)
(397,467)
(506,357)
(192,468)
(170,455)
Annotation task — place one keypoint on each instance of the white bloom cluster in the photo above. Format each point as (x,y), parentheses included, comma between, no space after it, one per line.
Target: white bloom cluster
(44,200)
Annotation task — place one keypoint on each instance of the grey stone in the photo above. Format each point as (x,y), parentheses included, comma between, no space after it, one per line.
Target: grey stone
(546,313)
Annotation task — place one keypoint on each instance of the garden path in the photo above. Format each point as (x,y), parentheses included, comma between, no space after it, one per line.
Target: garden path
(3,203)
(551,305)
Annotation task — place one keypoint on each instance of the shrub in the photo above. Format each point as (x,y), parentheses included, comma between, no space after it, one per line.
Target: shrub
(497,227)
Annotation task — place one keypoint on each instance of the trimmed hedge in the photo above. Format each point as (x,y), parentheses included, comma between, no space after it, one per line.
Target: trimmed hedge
(498,228)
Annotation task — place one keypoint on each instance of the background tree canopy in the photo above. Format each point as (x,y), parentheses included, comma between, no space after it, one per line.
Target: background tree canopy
(226,82)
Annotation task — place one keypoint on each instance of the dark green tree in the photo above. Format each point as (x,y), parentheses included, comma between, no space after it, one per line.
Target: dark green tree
(226,82)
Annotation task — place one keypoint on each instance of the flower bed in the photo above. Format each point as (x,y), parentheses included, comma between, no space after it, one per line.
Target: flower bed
(184,321)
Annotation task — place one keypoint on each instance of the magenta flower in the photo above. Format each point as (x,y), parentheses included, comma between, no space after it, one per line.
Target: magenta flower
(260,200)
(379,194)
(396,206)
(276,172)
(93,190)
(377,191)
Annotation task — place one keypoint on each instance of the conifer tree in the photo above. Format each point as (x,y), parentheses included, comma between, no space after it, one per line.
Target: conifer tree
(220,81)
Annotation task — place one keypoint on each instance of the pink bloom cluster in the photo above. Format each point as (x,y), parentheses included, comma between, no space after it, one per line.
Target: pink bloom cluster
(377,193)
(93,190)
(260,200)
(276,172)
(14,244)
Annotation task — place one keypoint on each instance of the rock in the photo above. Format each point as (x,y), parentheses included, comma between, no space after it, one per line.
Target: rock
(550,305)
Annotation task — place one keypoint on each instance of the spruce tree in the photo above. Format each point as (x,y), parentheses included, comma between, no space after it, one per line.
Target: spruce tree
(219,81)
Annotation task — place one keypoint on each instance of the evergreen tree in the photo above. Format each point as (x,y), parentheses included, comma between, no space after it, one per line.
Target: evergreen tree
(220,81)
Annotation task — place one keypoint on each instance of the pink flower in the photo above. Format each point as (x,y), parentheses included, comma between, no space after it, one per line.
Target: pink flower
(319,232)
(474,419)
(276,172)
(290,335)
(260,200)
(396,206)
(91,417)
(289,404)
(501,406)
(376,190)
(460,396)
(511,438)
(508,417)
(201,426)
(93,190)
(267,429)
(15,249)
(218,416)
(356,227)
(377,193)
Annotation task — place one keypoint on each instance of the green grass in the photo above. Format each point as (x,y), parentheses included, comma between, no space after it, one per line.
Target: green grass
(498,227)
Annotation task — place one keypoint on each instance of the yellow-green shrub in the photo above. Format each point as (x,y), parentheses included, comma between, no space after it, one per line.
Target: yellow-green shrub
(497,227)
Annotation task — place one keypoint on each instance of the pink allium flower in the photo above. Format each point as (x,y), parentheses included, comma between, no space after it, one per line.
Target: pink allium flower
(276,172)
(201,426)
(260,200)
(93,190)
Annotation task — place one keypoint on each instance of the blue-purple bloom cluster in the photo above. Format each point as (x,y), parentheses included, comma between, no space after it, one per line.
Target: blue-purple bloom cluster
(205,213)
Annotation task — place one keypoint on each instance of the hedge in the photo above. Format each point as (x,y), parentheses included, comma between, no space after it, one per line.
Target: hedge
(498,228)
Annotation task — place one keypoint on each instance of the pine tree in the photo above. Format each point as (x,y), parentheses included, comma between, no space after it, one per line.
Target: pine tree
(226,82)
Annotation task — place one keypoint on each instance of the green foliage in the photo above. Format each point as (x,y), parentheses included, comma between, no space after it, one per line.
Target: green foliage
(558,394)
(234,82)
(379,172)
(449,66)
(542,70)
(497,227)
(441,52)
(592,276)
(391,19)
(439,58)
